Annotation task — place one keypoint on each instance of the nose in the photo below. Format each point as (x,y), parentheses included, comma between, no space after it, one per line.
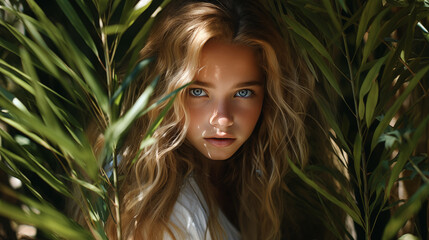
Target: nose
(221,117)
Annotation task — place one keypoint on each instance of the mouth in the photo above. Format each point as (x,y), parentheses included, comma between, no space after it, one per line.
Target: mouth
(220,142)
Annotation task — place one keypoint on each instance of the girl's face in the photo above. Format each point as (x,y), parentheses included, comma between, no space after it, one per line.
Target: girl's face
(225,100)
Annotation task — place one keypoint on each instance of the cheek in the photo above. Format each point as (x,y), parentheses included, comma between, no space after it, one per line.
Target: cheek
(249,115)
(197,118)
(196,114)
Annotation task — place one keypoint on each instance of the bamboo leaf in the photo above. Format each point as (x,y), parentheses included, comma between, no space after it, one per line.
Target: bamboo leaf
(344,6)
(357,157)
(29,134)
(74,19)
(85,8)
(371,9)
(117,129)
(354,215)
(405,151)
(371,103)
(307,35)
(373,35)
(114,29)
(327,73)
(367,84)
(12,73)
(330,118)
(88,186)
(133,75)
(33,165)
(405,212)
(146,19)
(39,94)
(361,108)
(395,107)
(82,155)
(9,167)
(46,217)
(332,15)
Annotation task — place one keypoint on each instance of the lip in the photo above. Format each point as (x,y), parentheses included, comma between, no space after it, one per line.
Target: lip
(220,142)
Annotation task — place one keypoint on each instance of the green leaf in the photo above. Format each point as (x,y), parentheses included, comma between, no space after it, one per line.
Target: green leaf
(74,19)
(84,6)
(10,168)
(37,139)
(344,6)
(425,32)
(354,215)
(46,217)
(373,35)
(405,151)
(334,18)
(16,76)
(395,107)
(307,35)
(327,73)
(82,155)
(357,157)
(133,75)
(330,118)
(117,129)
(371,9)
(371,103)
(35,166)
(367,83)
(405,212)
(114,29)
(88,186)
(398,3)
(39,94)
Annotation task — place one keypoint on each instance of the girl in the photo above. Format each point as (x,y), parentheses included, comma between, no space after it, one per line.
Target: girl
(217,168)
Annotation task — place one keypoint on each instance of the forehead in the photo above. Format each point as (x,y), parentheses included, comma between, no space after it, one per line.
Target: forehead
(221,59)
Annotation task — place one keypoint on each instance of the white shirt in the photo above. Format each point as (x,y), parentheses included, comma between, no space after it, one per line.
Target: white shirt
(190,214)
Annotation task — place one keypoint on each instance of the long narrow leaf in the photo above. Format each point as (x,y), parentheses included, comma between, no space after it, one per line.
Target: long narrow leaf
(74,19)
(354,215)
(395,107)
(405,152)
(405,212)
(46,218)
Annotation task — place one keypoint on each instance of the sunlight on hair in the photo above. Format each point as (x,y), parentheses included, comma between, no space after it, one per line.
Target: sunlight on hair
(140,197)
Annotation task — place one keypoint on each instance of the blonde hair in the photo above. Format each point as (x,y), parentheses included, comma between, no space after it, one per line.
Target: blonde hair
(155,174)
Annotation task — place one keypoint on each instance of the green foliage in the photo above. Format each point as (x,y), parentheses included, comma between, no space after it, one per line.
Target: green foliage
(58,71)
(372,61)
(60,64)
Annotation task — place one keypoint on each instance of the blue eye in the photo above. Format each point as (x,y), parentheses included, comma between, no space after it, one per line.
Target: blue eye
(245,93)
(197,92)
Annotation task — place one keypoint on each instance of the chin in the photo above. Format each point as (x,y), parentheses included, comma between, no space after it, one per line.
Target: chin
(218,157)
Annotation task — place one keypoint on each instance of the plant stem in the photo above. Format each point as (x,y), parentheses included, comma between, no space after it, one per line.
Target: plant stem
(117,203)
(364,195)
(424,178)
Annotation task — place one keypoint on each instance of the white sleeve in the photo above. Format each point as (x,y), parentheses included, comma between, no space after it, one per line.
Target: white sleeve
(189,215)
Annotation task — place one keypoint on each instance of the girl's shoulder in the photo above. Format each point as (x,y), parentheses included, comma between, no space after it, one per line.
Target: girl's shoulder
(190,214)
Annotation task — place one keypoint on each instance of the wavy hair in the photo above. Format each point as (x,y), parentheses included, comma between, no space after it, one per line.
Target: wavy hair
(154,175)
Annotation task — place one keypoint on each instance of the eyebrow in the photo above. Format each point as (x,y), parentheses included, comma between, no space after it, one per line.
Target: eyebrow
(243,84)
